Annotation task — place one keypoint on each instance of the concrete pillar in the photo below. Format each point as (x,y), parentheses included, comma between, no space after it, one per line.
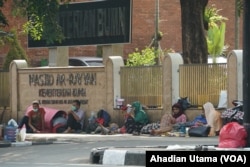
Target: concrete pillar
(111,50)
(14,95)
(58,56)
(246,68)
(113,84)
(234,77)
(170,78)
(113,60)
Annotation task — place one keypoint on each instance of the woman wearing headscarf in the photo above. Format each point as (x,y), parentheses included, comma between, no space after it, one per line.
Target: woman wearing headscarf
(165,125)
(140,117)
(178,114)
(168,120)
(213,117)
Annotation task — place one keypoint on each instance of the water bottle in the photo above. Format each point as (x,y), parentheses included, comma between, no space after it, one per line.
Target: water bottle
(116,101)
(182,130)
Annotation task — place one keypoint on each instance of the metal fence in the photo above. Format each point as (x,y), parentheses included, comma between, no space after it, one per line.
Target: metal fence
(4,89)
(203,82)
(199,82)
(142,84)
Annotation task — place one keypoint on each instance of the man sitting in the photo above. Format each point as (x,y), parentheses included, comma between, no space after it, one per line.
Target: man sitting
(75,117)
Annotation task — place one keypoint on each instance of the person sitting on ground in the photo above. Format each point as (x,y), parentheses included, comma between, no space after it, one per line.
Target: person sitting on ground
(111,129)
(199,120)
(214,119)
(33,119)
(128,120)
(75,118)
(99,122)
(170,120)
(178,113)
(140,117)
(166,125)
(102,121)
(92,125)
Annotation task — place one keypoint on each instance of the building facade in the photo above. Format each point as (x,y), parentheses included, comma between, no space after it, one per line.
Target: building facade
(143,29)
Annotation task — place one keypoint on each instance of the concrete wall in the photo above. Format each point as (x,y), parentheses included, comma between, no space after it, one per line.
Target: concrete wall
(57,87)
(97,87)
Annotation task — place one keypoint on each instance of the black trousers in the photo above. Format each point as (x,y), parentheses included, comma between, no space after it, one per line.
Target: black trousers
(138,126)
(25,121)
(72,123)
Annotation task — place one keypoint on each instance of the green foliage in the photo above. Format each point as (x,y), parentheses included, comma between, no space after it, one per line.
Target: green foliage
(16,51)
(212,16)
(42,22)
(239,7)
(215,40)
(3,19)
(216,32)
(5,38)
(34,27)
(145,57)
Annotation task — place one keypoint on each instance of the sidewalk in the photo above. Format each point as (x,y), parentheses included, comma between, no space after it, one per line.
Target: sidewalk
(51,138)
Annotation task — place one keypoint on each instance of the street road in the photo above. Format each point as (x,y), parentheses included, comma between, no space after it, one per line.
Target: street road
(76,152)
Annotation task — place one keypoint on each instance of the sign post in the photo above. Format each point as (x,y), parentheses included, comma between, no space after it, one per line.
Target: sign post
(246,68)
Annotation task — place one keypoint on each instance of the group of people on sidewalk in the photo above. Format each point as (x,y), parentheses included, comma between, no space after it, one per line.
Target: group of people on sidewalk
(34,119)
(136,120)
(209,117)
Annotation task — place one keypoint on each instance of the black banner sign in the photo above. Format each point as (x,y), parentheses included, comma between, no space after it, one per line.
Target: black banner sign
(93,23)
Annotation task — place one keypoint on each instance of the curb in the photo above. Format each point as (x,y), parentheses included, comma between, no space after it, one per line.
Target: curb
(5,144)
(24,143)
(119,156)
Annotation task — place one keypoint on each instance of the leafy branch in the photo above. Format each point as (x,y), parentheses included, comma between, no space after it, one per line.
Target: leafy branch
(42,18)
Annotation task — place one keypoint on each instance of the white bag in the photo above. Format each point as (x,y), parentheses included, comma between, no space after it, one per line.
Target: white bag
(223,99)
(23,134)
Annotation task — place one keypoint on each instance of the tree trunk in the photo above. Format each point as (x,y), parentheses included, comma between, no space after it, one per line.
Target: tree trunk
(194,44)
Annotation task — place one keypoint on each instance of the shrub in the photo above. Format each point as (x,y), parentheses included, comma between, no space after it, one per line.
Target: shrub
(142,58)
(16,51)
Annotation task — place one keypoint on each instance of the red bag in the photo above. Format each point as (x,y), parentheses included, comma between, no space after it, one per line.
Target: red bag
(122,129)
(232,135)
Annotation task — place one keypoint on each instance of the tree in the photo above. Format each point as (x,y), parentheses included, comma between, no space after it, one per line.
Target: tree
(193,31)
(3,20)
(15,52)
(238,12)
(42,21)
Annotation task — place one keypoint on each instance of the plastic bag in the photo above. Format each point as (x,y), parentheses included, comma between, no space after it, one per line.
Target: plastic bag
(232,135)
(12,123)
(21,135)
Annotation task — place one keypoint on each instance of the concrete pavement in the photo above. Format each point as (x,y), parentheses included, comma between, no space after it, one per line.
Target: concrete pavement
(119,155)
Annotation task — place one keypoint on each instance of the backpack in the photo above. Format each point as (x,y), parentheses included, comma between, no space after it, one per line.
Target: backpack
(106,116)
(184,102)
